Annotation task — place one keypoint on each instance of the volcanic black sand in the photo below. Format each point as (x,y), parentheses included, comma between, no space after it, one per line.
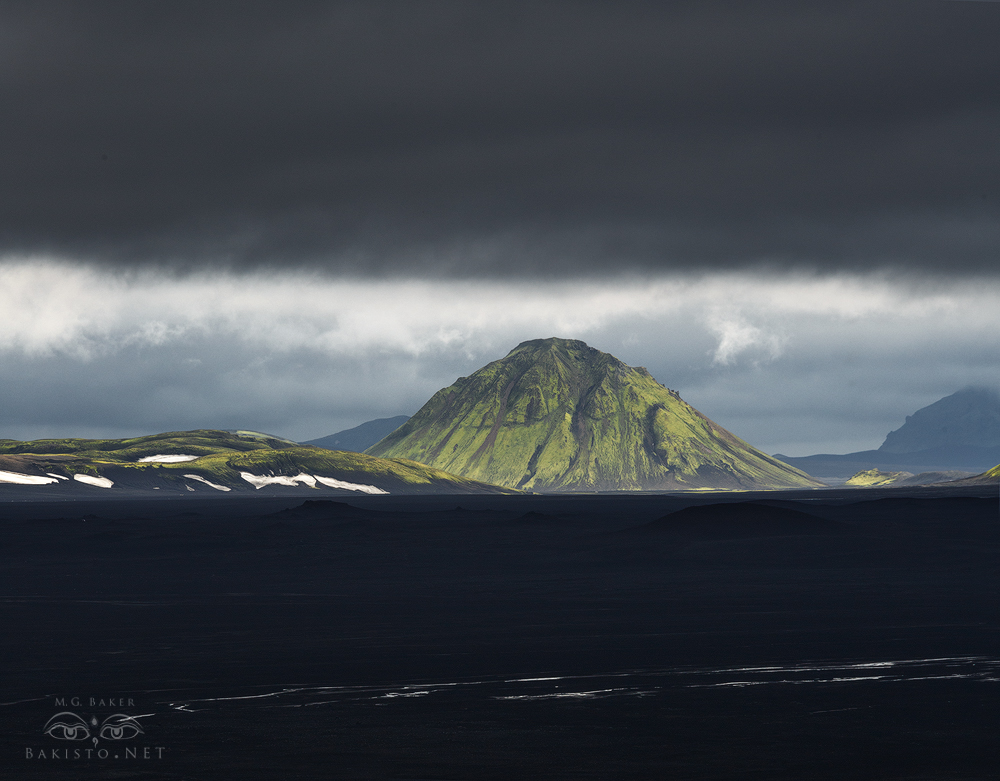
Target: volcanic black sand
(825,634)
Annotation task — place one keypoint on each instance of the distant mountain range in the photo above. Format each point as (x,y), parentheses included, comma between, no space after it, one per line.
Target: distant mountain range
(553,415)
(360,438)
(558,415)
(969,418)
(959,432)
(212,461)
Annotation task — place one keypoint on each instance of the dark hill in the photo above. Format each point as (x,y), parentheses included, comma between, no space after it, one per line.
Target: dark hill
(968,418)
(960,432)
(360,438)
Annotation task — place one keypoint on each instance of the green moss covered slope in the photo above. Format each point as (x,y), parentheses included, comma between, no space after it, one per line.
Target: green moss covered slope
(223,458)
(874,478)
(557,415)
(986,478)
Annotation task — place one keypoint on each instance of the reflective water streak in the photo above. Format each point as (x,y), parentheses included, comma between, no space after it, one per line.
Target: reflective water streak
(624,683)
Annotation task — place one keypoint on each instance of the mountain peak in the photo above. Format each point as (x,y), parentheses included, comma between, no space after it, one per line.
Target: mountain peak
(554,342)
(573,353)
(969,417)
(557,414)
(567,348)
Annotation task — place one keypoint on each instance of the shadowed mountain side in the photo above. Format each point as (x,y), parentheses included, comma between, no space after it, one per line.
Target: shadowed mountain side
(360,438)
(930,478)
(989,477)
(959,433)
(942,459)
(968,418)
(557,415)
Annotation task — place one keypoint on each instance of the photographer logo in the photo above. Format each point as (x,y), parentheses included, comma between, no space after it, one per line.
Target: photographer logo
(89,735)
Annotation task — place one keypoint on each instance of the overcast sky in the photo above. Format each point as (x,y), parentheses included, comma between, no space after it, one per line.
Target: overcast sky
(296,217)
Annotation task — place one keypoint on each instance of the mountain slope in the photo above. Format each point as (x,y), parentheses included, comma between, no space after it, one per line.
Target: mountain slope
(965,459)
(960,432)
(360,438)
(989,477)
(876,478)
(968,418)
(207,460)
(556,414)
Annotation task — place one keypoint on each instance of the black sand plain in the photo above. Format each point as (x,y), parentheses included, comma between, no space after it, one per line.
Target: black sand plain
(839,634)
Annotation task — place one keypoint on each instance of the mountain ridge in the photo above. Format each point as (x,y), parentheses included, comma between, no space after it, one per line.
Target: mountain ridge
(360,437)
(557,414)
(969,417)
(210,460)
(960,432)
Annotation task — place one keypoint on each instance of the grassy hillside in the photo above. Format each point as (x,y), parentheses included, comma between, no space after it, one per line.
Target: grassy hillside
(990,476)
(556,414)
(872,478)
(222,458)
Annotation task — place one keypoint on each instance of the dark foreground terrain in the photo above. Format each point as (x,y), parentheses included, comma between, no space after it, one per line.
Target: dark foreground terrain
(830,635)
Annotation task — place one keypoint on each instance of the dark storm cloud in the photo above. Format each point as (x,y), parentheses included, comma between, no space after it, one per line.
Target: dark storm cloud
(471,139)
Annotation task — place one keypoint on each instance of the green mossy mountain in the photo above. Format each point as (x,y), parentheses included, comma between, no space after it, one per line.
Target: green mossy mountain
(223,457)
(557,415)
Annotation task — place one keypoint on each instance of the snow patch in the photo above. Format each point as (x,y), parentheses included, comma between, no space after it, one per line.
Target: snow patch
(331,482)
(57,477)
(259,481)
(19,479)
(178,459)
(100,482)
(201,479)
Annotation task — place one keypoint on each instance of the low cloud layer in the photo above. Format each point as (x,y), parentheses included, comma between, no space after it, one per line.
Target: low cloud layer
(793,364)
(297,217)
(498,140)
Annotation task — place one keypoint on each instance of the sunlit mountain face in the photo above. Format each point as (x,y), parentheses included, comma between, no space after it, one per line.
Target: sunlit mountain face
(556,414)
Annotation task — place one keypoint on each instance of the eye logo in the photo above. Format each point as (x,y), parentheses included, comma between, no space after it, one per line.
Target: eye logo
(70,726)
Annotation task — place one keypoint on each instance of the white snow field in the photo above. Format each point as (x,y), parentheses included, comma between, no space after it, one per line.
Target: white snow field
(331,482)
(259,481)
(178,459)
(100,482)
(201,479)
(17,477)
